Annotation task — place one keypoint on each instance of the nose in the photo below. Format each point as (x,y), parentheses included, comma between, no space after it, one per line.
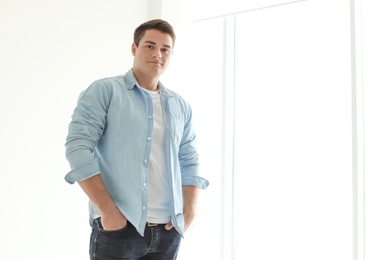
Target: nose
(157,54)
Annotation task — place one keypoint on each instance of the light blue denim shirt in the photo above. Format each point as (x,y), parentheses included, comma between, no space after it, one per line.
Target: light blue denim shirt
(110,133)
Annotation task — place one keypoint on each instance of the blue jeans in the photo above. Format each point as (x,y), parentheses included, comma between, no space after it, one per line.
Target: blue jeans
(128,244)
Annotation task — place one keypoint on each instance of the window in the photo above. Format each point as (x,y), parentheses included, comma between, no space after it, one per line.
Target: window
(274,108)
(293,164)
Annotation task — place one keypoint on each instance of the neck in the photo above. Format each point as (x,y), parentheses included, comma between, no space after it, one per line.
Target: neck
(149,83)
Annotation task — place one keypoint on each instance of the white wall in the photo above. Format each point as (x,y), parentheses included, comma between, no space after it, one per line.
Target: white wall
(49,52)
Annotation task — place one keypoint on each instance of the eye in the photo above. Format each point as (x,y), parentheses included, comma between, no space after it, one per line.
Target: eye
(149,46)
(166,50)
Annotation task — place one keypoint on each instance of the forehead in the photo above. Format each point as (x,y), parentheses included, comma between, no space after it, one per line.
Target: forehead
(157,37)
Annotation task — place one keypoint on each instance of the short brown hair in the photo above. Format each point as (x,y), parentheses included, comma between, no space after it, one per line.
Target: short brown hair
(156,24)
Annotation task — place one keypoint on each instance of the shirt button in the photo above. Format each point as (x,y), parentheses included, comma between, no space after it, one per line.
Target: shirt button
(144,183)
(149,138)
(145,161)
(150,117)
(143,208)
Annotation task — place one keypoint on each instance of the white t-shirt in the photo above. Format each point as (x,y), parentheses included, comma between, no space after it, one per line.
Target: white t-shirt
(158,191)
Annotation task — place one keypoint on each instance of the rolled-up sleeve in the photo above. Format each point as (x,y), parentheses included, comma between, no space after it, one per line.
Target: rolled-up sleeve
(188,157)
(195,181)
(85,129)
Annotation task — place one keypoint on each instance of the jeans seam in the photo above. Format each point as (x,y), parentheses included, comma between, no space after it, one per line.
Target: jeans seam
(149,249)
(95,240)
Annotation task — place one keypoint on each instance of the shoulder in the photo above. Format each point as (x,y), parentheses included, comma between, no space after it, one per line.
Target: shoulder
(109,82)
(179,106)
(172,95)
(102,90)
(105,86)
(178,100)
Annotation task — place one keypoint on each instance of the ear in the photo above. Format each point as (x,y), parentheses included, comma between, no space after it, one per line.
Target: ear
(133,48)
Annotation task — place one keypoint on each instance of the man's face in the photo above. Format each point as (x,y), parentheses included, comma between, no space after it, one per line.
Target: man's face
(151,57)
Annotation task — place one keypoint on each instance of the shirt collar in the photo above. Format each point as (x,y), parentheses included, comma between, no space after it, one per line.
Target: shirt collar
(131,82)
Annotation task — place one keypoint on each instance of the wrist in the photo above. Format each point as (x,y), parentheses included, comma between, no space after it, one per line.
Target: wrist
(110,209)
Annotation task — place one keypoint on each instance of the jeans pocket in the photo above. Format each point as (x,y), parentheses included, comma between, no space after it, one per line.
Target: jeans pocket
(110,232)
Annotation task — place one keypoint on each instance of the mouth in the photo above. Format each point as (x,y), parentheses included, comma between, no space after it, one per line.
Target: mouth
(156,62)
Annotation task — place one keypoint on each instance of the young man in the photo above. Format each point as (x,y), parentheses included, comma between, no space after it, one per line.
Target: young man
(132,149)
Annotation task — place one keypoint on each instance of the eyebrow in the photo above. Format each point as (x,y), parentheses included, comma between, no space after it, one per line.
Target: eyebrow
(165,45)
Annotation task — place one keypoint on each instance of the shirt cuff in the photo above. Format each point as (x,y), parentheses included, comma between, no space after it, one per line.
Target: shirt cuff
(83,172)
(195,181)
